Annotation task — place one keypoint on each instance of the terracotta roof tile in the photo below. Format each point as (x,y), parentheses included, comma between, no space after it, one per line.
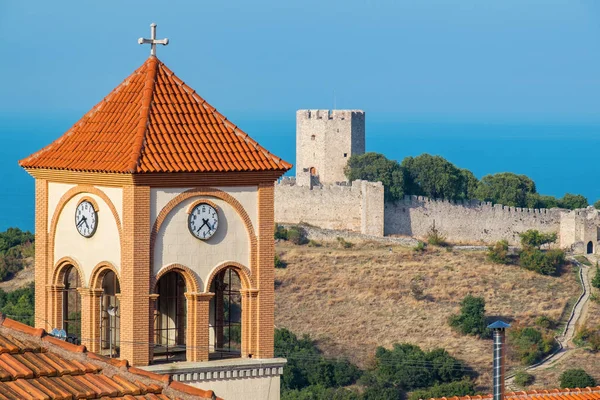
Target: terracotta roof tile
(35,369)
(552,394)
(153,122)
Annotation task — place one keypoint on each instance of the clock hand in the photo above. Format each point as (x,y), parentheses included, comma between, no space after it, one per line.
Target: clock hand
(204,222)
(81,221)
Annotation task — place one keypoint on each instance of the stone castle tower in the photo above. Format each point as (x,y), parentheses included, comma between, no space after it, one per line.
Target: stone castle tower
(325,140)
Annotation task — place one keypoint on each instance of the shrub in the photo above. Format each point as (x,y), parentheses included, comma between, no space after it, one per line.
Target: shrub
(522,378)
(528,345)
(313,243)
(13,237)
(343,243)
(18,304)
(463,387)
(543,262)
(420,247)
(416,290)
(314,392)
(399,367)
(576,378)
(534,238)
(586,337)
(279,263)
(306,366)
(280,232)
(596,280)
(545,322)
(297,235)
(434,236)
(498,253)
(471,320)
(597,205)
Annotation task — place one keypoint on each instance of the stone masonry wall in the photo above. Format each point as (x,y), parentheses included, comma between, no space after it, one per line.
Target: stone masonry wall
(355,207)
(468,222)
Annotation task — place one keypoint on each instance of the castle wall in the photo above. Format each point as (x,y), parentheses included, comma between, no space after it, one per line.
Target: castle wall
(357,207)
(470,222)
(326,139)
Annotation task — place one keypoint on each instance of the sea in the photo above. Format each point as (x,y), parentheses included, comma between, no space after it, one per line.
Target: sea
(560,157)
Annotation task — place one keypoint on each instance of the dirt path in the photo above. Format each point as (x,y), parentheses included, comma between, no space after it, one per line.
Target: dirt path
(565,340)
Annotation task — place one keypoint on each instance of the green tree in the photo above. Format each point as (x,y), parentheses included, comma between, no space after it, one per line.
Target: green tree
(13,237)
(543,262)
(375,167)
(573,201)
(460,388)
(597,205)
(469,185)
(529,345)
(506,188)
(535,200)
(535,238)
(471,320)
(436,177)
(576,378)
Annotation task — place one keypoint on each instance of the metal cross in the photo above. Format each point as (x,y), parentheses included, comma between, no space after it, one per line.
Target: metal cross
(153,41)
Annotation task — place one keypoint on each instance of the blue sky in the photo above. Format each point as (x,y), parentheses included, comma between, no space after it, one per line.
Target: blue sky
(503,60)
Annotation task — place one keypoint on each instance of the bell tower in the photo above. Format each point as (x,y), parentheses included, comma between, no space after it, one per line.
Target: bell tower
(154,234)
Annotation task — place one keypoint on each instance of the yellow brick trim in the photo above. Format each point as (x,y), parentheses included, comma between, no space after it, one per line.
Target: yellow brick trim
(240,269)
(191,281)
(98,274)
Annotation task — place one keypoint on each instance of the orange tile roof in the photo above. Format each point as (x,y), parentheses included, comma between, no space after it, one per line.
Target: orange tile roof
(552,394)
(35,366)
(153,122)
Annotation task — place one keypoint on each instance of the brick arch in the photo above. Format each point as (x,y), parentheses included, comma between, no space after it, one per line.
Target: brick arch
(207,191)
(60,268)
(242,271)
(69,194)
(191,281)
(98,274)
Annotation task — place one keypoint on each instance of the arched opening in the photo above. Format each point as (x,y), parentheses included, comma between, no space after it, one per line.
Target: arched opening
(72,305)
(226,315)
(170,318)
(110,320)
(590,247)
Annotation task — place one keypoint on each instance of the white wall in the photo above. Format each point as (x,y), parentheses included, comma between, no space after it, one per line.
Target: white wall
(176,245)
(257,388)
(87,252)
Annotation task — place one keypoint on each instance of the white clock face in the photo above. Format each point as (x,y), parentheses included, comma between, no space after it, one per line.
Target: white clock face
(203,221)
(86,219)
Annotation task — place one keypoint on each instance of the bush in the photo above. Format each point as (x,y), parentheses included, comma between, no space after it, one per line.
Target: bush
(471,320)
(576,378)
(464,387)
(597,205)
(297,235)
(307,367)
(313,243)
(573,201)
(343,243)
(315,392)
(420,247)
(543,262)
(280,232)
(528,345)
(399,368)
(545,322)
(18,304)
(523,379)
(13,237)
(586,337)
(279,263)
(417,290)
(596,280)
(498,253)
(434,236)
(534,238)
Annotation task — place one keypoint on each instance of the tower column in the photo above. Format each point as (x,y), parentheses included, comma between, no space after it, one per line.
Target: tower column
(136,313)
(197,337)
(90,318)
(263,314)
(42,263)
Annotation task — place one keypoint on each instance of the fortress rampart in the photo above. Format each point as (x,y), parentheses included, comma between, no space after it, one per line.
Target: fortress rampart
(468,221)
(356,207)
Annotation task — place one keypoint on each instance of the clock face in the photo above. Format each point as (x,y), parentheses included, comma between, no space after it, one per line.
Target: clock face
(203,221)
(86,219)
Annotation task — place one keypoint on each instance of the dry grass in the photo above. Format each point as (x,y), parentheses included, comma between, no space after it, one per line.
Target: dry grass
(353,300)
(579,358)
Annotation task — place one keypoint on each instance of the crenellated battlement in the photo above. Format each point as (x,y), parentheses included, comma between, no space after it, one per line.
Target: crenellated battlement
(329,114)
(484,205)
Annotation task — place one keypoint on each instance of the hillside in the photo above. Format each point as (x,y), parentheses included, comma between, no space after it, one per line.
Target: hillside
(353,300)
